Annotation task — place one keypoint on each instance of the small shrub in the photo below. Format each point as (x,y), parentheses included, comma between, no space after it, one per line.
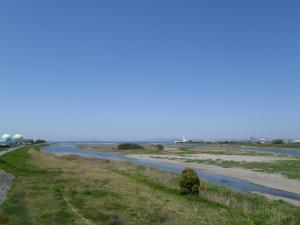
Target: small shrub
(189,182)
(128,146)
(160,147)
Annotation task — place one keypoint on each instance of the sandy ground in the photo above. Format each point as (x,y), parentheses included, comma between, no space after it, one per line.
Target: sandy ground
(265,179)
(237,158)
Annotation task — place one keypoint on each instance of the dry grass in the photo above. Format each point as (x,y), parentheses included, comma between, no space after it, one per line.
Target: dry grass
(97,190)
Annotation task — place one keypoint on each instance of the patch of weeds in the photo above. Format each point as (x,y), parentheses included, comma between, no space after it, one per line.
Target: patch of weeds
(97,193)
(61,216)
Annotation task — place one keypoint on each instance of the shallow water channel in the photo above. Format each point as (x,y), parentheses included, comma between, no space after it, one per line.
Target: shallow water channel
(230,182)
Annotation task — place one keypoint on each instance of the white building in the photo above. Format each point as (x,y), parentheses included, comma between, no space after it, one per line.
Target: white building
(181,141)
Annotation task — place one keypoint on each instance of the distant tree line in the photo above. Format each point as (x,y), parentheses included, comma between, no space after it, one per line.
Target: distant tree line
(277,141)
(39,141)
(128,146)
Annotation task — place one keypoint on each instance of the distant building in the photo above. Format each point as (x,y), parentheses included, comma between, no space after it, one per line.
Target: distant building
(28,141)
(6,140)
(296,141)
(181,141)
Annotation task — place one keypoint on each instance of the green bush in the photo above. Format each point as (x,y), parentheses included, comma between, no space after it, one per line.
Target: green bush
(277,141)
(189,182)
(128,146)
(160,147)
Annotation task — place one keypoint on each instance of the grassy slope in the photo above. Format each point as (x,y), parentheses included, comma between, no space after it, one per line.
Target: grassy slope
(100,190)
(35,197)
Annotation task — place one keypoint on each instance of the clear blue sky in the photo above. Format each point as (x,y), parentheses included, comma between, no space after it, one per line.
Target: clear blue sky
(139,70)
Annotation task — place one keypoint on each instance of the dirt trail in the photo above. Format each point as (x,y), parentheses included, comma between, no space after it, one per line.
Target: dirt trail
(74,210)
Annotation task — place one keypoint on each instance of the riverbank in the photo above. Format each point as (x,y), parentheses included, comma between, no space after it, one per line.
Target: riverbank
(266,179)
(76,190)
(252,162)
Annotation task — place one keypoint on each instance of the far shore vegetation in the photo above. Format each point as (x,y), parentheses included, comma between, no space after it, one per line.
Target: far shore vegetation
(129,146)
(126,148)
(276,143)
(72,190)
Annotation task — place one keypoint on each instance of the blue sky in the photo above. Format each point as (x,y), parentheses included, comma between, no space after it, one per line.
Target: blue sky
(140,70)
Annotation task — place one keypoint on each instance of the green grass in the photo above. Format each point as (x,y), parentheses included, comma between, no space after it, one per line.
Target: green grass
(52,190)
(15,162)
(25,196)
(288,168)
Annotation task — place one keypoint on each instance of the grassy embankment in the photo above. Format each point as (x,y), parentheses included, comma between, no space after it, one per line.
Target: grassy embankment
(74,190)
(288,168)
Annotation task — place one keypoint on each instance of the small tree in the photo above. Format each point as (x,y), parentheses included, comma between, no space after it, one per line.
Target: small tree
(189,182)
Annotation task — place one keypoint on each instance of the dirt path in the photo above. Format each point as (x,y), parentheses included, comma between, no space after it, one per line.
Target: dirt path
(74,210)
(9,150)
(266,179)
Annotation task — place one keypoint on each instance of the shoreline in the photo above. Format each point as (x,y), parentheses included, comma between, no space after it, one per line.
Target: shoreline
(265,179)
